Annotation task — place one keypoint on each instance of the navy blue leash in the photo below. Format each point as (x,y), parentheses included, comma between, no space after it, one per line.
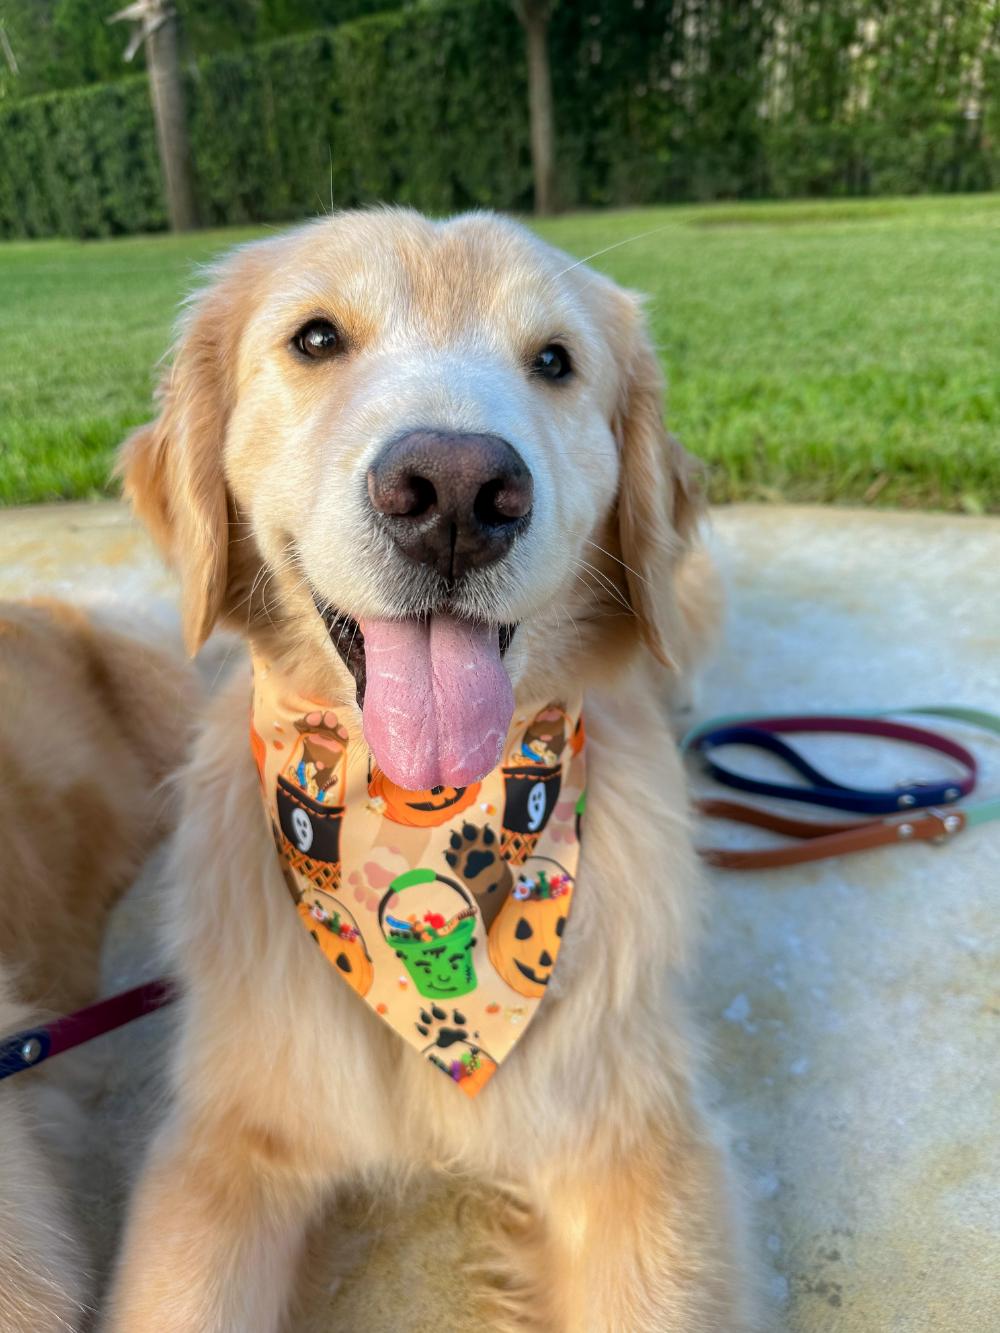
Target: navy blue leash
(819,789)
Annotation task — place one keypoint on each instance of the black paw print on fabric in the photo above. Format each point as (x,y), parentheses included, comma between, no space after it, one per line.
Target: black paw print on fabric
(474,854)
(435,1024)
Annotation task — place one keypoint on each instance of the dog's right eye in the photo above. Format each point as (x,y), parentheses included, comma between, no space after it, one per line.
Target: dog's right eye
(318,339)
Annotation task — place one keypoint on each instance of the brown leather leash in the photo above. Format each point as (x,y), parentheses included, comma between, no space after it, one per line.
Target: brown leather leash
(820,839)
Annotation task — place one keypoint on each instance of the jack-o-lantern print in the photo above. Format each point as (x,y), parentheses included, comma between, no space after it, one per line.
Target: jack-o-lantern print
(430,922)
(532,782)
(336,932)
(420,809)
(525,938)
(310,798)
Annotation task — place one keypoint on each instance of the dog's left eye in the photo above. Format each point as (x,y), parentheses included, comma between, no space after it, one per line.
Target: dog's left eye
(552,363)
(318,339)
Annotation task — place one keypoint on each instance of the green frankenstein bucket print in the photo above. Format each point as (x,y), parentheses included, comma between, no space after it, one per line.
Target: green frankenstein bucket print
(430,922)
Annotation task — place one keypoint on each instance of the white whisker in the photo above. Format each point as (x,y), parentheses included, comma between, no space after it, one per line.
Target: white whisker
(640,236)
(618,561)
(608,585)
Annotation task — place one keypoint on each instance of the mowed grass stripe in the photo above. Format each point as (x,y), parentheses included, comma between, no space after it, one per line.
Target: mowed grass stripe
(839,351)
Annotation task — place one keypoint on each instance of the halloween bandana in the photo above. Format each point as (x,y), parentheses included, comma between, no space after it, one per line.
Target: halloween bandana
(443,909)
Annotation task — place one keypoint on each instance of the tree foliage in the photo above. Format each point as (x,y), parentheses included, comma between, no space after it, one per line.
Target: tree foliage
(61,44)
(427,104)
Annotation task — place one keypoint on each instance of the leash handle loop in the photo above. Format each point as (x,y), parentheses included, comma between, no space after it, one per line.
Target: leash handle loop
(765,734)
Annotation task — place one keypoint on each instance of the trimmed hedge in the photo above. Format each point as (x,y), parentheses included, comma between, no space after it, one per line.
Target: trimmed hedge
(261,123)
(655,100)
(390,107)
(82,163)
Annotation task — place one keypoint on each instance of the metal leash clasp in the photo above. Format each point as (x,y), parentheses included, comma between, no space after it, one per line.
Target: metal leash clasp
(23,1050)
(951,824)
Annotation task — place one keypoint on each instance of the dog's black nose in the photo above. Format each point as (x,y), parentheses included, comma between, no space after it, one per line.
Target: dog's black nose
(452,502)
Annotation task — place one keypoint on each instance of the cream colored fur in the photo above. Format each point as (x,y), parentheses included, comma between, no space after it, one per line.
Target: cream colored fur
(615,1211)
(93,721)
(42,1282)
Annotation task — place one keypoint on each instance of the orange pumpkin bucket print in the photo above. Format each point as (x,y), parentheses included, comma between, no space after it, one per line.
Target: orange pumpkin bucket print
(525,938)
(310,799)
(336,932)
(420,809)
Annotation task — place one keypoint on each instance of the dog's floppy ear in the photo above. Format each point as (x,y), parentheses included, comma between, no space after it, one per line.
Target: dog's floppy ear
(659,494)
(173,467)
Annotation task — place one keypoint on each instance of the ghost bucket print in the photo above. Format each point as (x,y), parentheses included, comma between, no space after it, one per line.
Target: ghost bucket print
(430,922)
(310,798)
(533,779)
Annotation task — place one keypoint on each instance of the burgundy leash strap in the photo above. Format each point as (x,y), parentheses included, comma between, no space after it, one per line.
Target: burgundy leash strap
(32,1046)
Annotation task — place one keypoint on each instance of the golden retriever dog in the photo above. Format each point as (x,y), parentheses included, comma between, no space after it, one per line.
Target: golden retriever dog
(93,721)
(489,368)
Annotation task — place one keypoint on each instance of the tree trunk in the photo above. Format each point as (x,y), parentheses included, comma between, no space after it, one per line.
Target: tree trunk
(167,92)
(534,16)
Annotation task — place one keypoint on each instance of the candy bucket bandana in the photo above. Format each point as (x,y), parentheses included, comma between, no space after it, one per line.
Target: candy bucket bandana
(444,909)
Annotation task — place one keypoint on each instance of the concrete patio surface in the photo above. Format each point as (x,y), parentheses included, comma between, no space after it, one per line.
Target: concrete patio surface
(853,1006)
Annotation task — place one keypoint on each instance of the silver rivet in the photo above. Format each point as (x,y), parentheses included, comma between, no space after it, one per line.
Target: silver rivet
(908,798)
(952,794)
(905,830)
(31,1050)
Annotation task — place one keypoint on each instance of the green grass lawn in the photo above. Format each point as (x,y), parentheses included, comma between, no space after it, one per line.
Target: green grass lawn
(839,351)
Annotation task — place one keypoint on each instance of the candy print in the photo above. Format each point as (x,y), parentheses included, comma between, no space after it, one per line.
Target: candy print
(337,934)
(467,1065)
(430,923)
(533,776)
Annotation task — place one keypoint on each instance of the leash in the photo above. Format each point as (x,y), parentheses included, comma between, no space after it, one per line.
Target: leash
(924,820)
(33,1046)
(765,734)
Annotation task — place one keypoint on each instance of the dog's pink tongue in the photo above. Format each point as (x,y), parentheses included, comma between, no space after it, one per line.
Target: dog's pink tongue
(438,702)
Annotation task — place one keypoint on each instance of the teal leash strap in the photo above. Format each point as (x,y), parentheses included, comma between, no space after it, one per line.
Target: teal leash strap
(982,812)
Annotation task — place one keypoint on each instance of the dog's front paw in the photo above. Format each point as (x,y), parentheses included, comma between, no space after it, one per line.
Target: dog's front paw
(474,853)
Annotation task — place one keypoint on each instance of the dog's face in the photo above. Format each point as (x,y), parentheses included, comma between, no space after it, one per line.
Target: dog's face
(395,448)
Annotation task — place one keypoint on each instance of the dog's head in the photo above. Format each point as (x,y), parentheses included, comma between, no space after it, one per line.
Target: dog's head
(392,448)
